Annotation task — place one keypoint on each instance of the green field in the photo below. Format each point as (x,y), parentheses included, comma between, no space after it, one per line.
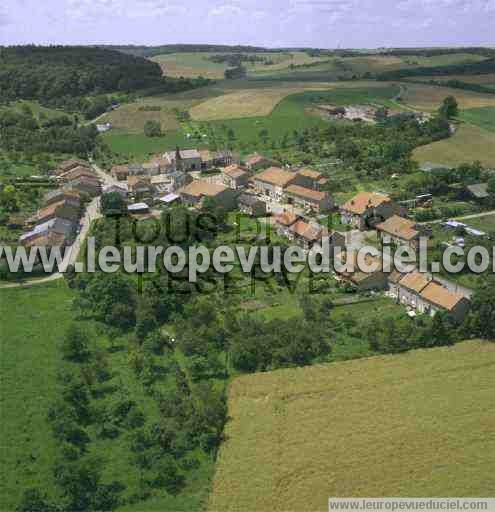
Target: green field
(33,323)
(404,425)
(199,64)
(290,114)
(468,144)
(482,117)
(33,320)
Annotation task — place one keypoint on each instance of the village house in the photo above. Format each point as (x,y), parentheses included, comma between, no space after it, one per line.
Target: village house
(272,182)
(393,283)
(194,194)
(310,178)
(85,185)
(410,287)
(308,234)
(46,239)
(139,186)
(63,228)
(400,231)
(235,176)
(54,196)
(436,297)
(120,172)
(185,160)
(67,165)
(257,162)
(308,198)
(62,209)
(367,208)
(251,205)
(349,272)
(76,173)
(283,221)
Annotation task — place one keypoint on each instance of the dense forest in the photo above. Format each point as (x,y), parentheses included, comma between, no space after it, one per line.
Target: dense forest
(45,73)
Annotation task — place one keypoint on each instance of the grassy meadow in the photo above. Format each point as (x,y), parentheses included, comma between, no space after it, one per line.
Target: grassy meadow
(33,320)
(468,144)
(403,425)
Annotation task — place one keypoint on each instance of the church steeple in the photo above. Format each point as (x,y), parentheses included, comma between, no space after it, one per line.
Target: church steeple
(178,159)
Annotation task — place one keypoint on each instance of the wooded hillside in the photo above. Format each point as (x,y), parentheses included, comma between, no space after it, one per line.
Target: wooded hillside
(45,73)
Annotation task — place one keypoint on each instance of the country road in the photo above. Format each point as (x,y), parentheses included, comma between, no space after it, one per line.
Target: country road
(92,213)
(464,217)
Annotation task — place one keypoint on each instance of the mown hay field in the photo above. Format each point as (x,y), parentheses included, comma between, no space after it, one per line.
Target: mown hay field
(430,97)
(416,424)
(468,144)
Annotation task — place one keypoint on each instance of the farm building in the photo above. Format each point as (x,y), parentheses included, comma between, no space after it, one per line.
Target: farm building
(366,209)
(194,194)
(308,198)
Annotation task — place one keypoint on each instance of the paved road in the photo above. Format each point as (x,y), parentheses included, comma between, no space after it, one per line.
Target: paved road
(107,179)
(72,252)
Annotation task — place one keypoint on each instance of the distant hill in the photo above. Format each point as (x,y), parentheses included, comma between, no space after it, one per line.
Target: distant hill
(152,51)
(45,73)
(471,68)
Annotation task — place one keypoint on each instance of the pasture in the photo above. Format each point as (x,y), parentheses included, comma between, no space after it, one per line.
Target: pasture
(468,144)
(402,425)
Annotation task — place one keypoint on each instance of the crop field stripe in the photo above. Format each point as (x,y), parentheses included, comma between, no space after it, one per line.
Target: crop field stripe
(417,424)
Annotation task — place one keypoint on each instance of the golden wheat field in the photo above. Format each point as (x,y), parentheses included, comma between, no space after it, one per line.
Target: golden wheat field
(416,424)
(467,145)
